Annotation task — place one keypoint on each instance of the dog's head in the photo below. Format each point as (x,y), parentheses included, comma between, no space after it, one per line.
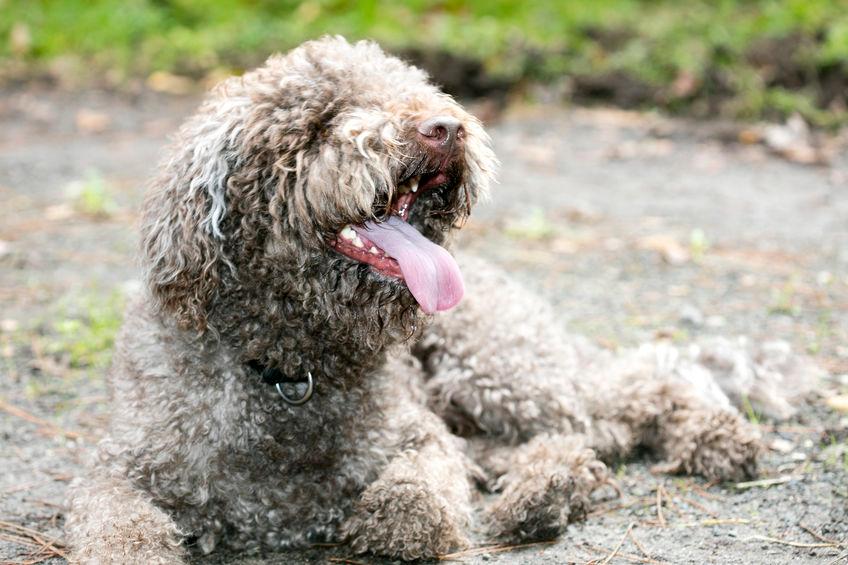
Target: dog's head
(322,184)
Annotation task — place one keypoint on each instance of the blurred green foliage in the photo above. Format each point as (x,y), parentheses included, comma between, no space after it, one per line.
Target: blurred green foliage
(534,225)
(92,196)
(757,57)
(85,331)
(73,342)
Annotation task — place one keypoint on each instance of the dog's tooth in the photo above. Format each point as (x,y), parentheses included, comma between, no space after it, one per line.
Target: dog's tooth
(348,233)
(373,250)
(358,242)
(414,184)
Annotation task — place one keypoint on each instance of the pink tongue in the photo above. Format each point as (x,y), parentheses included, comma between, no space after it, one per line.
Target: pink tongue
(430,272)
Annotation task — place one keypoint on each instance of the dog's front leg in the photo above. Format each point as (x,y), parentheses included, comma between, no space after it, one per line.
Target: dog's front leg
(419,506)
(109,521)
(543,485)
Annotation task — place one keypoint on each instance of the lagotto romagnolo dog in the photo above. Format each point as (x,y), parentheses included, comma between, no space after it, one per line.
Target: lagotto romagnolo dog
(308,363)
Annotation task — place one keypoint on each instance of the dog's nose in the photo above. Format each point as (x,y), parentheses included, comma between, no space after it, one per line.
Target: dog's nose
(441,132)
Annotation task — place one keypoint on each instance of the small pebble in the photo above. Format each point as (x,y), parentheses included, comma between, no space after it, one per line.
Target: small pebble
(716,322)
(782,445)
(691,316)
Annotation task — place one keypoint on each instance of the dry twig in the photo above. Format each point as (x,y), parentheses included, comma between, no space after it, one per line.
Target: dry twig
(842,556)
(46,427)
(646,501)
(790,543)
(620,543)
(46,547)
(489,549)
(723,521)
(703,493)
(669,500)
(626,556)
(23,486)
(698,505)
(820,537)
(18,540)
(639,545)
(766,482)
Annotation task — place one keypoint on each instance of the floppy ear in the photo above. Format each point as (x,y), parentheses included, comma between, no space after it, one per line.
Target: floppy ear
(181,255)
(182,242)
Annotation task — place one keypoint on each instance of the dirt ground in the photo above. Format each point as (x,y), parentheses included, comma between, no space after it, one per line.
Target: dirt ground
(635,226)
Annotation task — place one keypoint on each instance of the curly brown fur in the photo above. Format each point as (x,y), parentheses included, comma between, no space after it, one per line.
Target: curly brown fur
(544,484)
(409,410)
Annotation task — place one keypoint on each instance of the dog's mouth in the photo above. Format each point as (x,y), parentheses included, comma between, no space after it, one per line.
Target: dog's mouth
(395,248)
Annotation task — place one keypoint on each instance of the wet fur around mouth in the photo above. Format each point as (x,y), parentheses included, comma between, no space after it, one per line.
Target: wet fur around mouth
(410,413)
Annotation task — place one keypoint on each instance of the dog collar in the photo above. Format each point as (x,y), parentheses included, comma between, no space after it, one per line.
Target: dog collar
(274,376)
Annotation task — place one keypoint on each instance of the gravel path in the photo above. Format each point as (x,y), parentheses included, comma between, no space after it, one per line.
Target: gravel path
(637,228)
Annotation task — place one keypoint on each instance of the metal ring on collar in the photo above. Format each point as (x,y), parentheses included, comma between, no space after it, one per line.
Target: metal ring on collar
(306,395)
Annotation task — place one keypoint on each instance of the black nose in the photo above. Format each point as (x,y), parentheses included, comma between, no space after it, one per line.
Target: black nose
(441,132)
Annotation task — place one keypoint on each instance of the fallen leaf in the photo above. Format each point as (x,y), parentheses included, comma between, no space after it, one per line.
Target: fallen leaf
(92,121)
(750,136)
(667,246)
(58,212)
(838,402)
(168,83)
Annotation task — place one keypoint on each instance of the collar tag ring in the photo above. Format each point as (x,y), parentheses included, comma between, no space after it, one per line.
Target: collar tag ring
(298,401)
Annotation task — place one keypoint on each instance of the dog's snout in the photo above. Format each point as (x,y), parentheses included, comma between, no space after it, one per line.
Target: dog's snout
(441,132)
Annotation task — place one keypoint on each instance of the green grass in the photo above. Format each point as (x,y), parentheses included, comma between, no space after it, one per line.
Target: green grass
(84,329)
(534,225)
(92,196)
(784,300)
(72,345)
(750,413)
(698,244)
(664,44)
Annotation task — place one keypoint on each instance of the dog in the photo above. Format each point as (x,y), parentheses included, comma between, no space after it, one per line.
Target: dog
(308,363)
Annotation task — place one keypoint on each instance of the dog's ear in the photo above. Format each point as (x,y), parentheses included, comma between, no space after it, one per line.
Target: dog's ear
(182,245)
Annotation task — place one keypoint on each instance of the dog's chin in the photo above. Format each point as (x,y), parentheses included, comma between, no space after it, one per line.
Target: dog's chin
(402,249)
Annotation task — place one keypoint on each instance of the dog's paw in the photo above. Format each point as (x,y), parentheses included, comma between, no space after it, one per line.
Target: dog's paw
(539,502)
(718,445)
(404,519)
(111,522)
